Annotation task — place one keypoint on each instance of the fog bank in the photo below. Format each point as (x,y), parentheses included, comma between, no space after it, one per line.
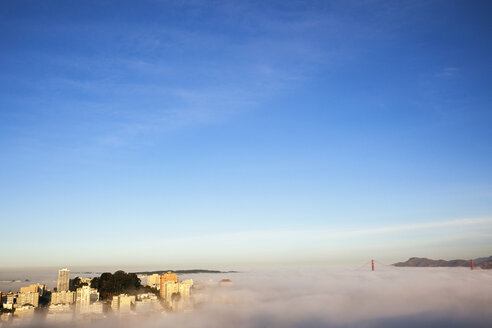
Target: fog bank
(402,297)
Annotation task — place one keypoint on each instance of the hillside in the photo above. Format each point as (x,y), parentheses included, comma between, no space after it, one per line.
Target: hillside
(483,259)
(484,263)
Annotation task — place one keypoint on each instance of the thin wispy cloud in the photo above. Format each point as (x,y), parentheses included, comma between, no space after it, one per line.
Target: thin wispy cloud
(476,223)
(163,77)
(448,72)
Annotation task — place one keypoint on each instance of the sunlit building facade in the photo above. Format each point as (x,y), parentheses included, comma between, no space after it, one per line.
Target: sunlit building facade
(28,299)
(167,278)
(63,282)
(85,297)
(34,288)
(154,281)
(64,297)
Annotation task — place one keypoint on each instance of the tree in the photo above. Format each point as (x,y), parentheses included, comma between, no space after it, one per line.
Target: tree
(113,284)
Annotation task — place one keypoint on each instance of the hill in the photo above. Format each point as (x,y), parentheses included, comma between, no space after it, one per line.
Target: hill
(484,263)
(482,259)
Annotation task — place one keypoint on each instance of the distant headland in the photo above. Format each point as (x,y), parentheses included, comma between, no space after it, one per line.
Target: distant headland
(482,262)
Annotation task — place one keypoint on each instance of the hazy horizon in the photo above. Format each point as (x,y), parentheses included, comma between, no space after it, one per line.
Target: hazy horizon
(464,239)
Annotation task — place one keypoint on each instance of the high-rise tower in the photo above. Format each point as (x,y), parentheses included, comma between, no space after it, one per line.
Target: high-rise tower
(63,280)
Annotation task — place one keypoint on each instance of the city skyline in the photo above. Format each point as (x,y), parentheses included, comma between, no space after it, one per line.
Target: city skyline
(243,134)
(83,299)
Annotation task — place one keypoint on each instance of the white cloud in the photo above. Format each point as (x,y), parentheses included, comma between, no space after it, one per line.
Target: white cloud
(448,72)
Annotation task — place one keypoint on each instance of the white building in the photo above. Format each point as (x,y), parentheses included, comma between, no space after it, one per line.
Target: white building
(176,290)
(86,296)
(123,303)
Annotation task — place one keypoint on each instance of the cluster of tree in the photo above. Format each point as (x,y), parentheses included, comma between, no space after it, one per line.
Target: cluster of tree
(44,300)
(120,282)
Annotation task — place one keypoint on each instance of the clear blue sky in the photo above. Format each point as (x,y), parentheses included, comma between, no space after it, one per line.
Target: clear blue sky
(243,132)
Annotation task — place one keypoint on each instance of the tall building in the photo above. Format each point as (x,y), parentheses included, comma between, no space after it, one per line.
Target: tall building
(171,288)
(63,282)
(167,290)
(165,278)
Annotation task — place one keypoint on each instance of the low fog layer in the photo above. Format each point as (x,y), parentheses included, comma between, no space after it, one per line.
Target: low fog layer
(403,297)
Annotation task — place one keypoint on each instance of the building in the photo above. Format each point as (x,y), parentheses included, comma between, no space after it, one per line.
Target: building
(11,298)
(34,288)
(167,291)
(172,291)
(146,303)
(82,280)
(28,299)
(123,303)
(115,303)
(26,311)
(169,276)
(96,308)
(63,282)
(63,297)
(86,280)
(9,301)
(185,288)
(164,279)
(60,313)
(85,297)
(59,308)
(154,281)
(147,296)
(126,303)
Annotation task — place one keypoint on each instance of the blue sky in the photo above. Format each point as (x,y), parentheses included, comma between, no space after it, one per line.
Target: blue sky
(244,132)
